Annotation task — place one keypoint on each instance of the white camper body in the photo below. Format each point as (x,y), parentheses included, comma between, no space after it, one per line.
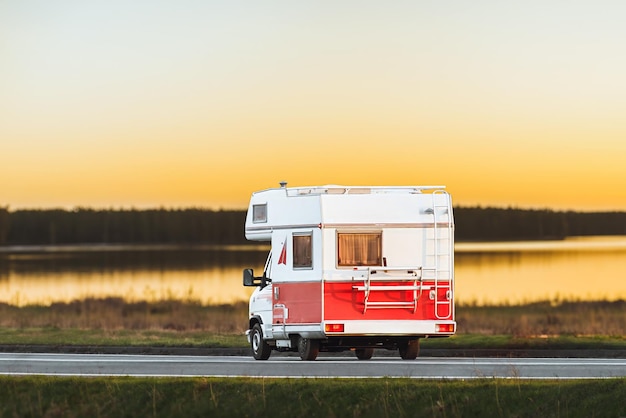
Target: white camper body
(351,268)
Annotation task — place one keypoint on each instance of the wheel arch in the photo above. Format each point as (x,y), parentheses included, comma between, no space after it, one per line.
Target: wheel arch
(255,319)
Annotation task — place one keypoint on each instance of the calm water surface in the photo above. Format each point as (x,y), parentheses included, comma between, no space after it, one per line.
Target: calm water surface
(582,268)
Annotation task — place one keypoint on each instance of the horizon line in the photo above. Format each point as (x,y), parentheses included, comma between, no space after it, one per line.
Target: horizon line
(140,208)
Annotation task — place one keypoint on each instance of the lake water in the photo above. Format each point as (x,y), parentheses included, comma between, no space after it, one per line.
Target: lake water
(588,268)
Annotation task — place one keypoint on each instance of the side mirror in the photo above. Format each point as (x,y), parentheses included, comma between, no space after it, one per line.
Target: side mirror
(250,280)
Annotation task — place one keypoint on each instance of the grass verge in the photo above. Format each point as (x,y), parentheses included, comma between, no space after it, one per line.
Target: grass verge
(122,337)
(557,342)
(198,339)
(219,397)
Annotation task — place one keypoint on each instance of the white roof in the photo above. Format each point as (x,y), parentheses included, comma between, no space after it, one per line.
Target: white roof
(309,207)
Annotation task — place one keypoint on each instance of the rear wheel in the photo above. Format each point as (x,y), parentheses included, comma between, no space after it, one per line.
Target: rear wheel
(260,349)
(308,348)
(364,353)
(409,349)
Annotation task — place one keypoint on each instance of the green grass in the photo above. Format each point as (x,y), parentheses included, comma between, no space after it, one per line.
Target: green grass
(481,341)
(163,338)
(123,337)
(239,397)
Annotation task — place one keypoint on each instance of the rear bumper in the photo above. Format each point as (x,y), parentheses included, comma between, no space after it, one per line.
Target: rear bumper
(420,328)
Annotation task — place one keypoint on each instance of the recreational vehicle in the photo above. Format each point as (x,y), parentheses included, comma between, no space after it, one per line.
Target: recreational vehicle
(351,268)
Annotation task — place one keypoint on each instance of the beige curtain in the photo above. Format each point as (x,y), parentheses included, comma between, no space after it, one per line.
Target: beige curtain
(359,249)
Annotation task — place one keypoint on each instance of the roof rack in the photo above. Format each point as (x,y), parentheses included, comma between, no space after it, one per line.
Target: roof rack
(335,189)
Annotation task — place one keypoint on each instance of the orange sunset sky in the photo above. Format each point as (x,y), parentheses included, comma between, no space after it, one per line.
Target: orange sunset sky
(200,103)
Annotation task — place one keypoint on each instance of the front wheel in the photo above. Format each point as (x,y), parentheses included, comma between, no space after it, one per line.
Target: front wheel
(409,349)
(260,349)
(308,348)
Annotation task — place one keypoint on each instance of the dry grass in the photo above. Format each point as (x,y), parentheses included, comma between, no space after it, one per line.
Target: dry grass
(544,318)
(115,313)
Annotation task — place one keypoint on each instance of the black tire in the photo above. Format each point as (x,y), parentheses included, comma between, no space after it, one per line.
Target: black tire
(364,353)
(260,348)
(308,348)
(410,349)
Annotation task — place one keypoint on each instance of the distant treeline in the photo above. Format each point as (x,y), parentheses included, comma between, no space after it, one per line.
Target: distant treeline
(497,224)
(155,226)
(203,226)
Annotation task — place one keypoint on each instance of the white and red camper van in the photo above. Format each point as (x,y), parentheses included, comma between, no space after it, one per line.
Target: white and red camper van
(351,268)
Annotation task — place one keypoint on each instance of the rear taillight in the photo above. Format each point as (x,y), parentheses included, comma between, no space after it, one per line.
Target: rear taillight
(333,327)
(444,327)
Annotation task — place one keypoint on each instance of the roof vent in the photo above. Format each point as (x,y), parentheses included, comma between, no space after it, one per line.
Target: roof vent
(283,184)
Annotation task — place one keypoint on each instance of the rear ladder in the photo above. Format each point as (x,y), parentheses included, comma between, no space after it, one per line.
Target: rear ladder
(386,279)
(438,246)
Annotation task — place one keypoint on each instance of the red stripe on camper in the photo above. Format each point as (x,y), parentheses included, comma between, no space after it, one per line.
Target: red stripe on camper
(302,300)
(343,302)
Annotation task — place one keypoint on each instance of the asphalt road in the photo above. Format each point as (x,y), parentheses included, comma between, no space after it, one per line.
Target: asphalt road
(232,366)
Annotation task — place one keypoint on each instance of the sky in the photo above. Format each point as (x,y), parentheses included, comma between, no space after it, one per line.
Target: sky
(151,103)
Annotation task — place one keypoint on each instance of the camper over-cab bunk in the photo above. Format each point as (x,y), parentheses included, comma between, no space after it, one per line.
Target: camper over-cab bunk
(351,268)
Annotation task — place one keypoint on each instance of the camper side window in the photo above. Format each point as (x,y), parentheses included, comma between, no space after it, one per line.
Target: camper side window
(362,249)
(302,251)
(259,213)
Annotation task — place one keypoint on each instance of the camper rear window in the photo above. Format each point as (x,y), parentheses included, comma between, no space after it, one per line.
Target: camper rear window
(362,249)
